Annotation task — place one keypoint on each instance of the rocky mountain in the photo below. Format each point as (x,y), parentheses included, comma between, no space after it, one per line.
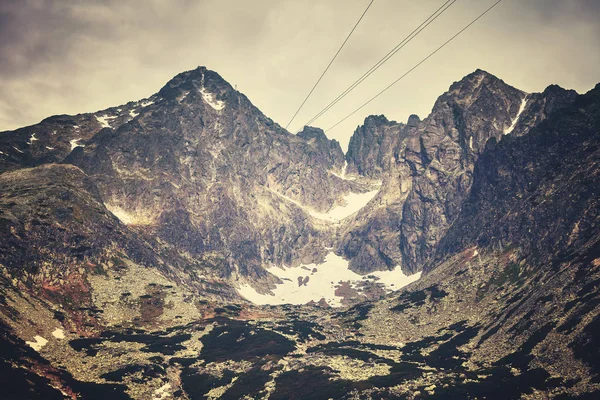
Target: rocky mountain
(427,167)
(130,237)
(199,168)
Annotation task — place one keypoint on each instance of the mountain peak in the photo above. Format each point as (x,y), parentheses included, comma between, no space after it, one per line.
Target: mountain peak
(310,132)
(376,120)
(482,86)
(197,78)
(482,72)
(554,89)
(481,76)
(474,80)
(413,120)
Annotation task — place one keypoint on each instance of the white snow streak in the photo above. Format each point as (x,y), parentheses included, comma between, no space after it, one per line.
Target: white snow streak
(209,98)
(17,150)
(123,215)
(183,96)
(49,148)
(514,122)
(147,103)
(104,121)
(75,144)
(322,283)
(353,203)
(129,218)
(343,175)
(32,139)
(38,343)
(133,114)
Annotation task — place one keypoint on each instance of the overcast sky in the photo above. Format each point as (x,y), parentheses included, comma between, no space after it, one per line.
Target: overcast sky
(72,56)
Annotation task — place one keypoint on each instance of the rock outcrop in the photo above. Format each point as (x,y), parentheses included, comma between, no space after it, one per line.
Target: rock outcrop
(371,148)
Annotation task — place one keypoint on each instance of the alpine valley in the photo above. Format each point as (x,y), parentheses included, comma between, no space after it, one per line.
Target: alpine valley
(186,246)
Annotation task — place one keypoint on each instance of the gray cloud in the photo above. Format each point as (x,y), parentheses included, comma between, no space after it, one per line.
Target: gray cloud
(70,56)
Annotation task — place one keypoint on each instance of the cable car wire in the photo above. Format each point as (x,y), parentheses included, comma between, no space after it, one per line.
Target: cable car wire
(385,58)
(416,66)
(331,62)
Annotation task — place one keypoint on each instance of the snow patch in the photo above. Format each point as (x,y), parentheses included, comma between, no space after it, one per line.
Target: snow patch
(58,333)
(49,148)
(129,218)
(514,121)
(38,343)
(147,103)
(75,144)
(218,127)
(32,139)
(323,280)
(2,153)
(133,114)
(17,150)
(162,392)
(343,175)
(104,120)
(353,203)
(183,96)
(471,142)
(209,98)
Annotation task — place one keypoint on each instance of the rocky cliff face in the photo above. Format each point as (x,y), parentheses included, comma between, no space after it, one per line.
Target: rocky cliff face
(329,152)
(537,192)
(371,147)
(429,172)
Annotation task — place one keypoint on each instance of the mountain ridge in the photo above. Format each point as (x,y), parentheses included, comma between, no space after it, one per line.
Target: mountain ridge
(122,266)
(417,142)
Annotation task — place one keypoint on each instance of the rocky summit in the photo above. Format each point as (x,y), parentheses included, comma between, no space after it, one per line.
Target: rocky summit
(186,246)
